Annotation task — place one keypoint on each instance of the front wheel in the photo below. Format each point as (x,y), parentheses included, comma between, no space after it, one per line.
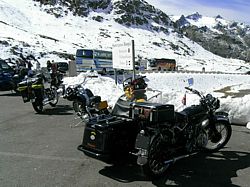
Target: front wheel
(157,156)
(218,137)
(38,106)
(79,106)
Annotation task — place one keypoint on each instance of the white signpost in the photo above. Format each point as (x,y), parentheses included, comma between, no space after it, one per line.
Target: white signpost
(123,56)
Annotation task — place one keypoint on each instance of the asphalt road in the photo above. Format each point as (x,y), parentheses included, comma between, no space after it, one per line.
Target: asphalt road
(40,150)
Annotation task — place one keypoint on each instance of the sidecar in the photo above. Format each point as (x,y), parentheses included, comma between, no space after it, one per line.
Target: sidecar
(106,136)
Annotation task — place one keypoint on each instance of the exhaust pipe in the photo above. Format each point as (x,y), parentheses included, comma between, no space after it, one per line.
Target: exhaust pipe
(46,101)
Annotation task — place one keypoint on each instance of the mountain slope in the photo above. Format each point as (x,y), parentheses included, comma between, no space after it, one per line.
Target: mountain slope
(29,28)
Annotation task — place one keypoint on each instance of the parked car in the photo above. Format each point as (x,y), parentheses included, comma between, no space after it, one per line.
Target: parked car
(5,67)
(8,78)
(6,73)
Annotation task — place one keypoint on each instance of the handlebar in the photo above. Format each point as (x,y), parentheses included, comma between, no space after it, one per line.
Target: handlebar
(208,100)
(194,91)
(187,88)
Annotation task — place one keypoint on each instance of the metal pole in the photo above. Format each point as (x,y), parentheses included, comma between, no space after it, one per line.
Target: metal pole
(133,58)
(116,76)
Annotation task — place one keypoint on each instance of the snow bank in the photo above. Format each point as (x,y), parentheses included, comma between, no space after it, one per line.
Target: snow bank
(172,87)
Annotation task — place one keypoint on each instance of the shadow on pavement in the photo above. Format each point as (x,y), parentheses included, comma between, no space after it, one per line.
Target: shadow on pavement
(201,170)
(10,94)
(58,110)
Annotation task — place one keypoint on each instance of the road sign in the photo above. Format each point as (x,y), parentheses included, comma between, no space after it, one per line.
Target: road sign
(190,81)
(123,55)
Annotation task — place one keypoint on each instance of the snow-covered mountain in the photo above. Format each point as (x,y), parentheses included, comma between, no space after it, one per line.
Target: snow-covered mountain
(228,39)
(54,29)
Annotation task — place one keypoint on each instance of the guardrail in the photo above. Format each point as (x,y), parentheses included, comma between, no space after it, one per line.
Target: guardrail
(186,71)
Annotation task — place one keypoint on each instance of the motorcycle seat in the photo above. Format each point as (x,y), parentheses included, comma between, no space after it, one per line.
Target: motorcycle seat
(122,109)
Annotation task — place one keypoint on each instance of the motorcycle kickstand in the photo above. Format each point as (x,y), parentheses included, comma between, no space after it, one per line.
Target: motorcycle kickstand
(78,124)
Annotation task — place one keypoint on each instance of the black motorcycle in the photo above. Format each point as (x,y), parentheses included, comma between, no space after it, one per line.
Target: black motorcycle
(156,134)
(39,91)
(85,104)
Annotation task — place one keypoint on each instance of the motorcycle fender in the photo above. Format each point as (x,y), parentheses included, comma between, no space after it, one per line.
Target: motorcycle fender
(221,116)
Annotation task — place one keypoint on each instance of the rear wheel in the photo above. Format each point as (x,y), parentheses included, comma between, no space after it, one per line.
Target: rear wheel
(156,165)
(218,137)
(38,106)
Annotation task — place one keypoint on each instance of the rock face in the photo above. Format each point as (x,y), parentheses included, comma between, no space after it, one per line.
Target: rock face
(138,13)
(229,40)
(130,13)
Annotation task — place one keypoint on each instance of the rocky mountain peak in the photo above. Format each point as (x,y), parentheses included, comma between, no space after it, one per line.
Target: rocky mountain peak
(138,13)
(182,22)
(218,17)
(195,16)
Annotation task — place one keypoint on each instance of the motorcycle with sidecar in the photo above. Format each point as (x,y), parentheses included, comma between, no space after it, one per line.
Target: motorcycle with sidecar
(155,133)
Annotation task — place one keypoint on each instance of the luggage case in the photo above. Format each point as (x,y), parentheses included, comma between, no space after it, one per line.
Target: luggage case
(153,112)
(104,138)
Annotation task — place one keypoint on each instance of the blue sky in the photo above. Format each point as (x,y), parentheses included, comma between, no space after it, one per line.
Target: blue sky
(234,10)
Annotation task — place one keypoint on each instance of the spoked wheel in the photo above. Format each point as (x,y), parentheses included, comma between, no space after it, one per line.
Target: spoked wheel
(79,106)
(156,165)
(56,98)
(219,137)
(38,106)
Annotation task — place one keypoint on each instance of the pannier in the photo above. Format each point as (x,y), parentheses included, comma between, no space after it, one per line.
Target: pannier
(153,112)
(25,88)
(105,137)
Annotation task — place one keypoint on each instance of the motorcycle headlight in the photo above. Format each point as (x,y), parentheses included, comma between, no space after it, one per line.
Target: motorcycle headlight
(205,123)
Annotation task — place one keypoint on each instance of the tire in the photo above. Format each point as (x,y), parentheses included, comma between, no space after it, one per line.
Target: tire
(79,106)
(217,140)
(155,167)
(56,98)
(38,106)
